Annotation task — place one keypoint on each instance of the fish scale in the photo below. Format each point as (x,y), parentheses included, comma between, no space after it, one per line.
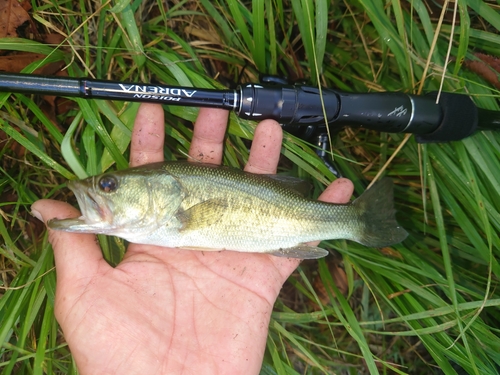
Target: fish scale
(206,207)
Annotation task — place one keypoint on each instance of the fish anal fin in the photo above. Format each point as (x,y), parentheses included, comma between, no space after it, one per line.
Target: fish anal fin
(301,251)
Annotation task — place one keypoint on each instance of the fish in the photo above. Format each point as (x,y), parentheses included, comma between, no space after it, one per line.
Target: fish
(206,207)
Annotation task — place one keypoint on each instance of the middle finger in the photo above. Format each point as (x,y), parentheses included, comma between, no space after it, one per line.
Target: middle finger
(208,136)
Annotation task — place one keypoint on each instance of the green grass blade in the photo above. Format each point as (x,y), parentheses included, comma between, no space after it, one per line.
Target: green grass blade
(133,37)
(447,262)
(259,35)
(68,152)
(348,318)
(22,140)
(89,114)
(241,17)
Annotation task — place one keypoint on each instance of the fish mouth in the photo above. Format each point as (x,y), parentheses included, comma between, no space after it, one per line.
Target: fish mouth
(93,207)
(96,214)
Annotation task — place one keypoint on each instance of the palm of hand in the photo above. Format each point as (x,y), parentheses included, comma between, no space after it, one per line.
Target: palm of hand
(180,312)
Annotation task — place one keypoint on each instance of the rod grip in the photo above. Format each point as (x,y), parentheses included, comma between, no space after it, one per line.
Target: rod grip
(459,119)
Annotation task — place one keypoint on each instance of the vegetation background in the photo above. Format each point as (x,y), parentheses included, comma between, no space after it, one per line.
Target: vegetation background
(426,306)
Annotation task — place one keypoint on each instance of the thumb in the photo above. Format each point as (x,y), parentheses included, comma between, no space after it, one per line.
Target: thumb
(77,256)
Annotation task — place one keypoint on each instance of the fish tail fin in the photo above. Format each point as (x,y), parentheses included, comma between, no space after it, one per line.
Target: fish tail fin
(379,227)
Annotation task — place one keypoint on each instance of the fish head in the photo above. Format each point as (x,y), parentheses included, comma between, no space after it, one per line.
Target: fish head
(125,204)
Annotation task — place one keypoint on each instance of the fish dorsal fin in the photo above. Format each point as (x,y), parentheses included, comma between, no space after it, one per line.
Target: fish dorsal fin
(295,184)
(301,251)
(202,214)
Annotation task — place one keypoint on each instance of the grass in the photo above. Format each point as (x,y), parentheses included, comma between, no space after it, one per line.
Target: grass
(426,306)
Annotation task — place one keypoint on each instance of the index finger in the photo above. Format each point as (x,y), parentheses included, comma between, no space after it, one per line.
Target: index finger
(266,148)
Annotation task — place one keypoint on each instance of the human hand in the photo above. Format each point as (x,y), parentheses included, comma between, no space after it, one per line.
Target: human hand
(171,311)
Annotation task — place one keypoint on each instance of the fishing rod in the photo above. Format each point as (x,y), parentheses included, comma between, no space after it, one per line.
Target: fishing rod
(453,118)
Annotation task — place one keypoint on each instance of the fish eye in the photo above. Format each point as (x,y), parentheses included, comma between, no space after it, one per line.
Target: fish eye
(108,184)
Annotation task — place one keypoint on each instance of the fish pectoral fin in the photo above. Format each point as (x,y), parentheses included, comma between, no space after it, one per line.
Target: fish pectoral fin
(201,215)
(302,251)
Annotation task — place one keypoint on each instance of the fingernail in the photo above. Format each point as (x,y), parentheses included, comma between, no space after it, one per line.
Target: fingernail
(37,214)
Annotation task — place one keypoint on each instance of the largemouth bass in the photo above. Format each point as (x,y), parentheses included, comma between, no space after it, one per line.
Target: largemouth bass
(207,207)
